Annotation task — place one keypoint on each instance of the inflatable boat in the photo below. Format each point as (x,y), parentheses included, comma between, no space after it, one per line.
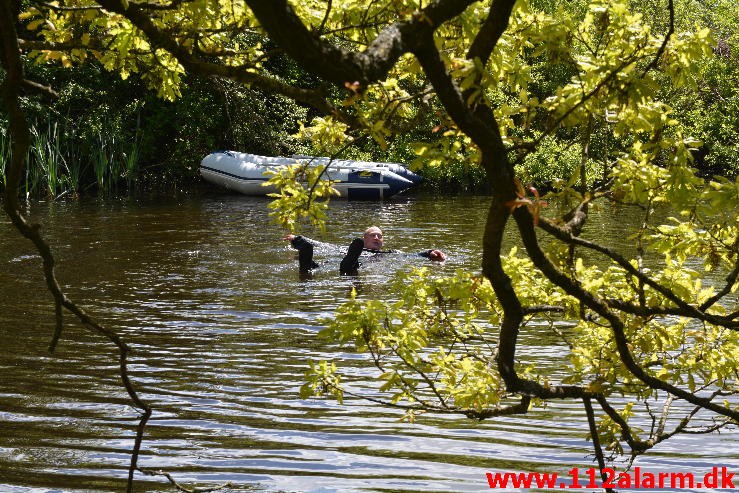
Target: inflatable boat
(245,173)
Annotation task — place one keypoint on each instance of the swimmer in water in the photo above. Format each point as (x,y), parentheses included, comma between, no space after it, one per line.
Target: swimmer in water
(369,244)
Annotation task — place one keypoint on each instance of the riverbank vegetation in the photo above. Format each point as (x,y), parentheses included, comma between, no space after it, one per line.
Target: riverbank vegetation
(633,103)
(104,134)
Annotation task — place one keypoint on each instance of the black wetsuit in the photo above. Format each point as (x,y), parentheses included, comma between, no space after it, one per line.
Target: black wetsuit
(349,264)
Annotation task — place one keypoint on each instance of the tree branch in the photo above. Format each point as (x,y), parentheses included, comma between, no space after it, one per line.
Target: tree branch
(683,308)
(180,487)
(526,228)
(159,38)
(636,446)
(491,31)
(731,279)
(663,46)
(338,65)
(20,137)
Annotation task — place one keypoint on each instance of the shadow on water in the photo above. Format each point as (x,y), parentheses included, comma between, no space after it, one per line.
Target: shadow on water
(223,328)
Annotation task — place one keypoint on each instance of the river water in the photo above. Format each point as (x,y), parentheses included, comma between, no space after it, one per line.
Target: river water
(222,327)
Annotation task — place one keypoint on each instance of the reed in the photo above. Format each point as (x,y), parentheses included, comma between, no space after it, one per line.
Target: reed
(33,177)
(115,163)
(131,164)
(102,159)
(71,151)
(48,159)
(59,161)
(75,169)
(133,155)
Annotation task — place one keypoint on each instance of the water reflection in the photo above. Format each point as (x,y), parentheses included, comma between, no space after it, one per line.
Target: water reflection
(209,297)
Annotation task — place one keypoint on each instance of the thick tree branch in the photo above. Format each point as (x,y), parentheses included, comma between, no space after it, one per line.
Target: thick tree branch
(414,36)
(513,315)
(636,446)
(526,228)
(482,128)
(449,94)
(532,310)
(338,65)
(683,307)
(491,31)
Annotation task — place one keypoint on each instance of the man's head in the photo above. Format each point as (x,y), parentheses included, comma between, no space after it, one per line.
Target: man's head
(373,238)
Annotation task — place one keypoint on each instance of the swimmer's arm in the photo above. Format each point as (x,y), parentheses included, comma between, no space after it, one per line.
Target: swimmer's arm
(298,241)
(435,255)
(304,246)
(350,263)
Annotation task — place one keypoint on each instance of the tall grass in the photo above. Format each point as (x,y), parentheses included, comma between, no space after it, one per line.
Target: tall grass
(60,162)
(131,164)
(49,160)
(115,163)
(131,156)
(75,169)
(102,159)
(33,177)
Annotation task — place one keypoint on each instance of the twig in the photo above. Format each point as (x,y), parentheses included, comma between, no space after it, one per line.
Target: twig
(180,487)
